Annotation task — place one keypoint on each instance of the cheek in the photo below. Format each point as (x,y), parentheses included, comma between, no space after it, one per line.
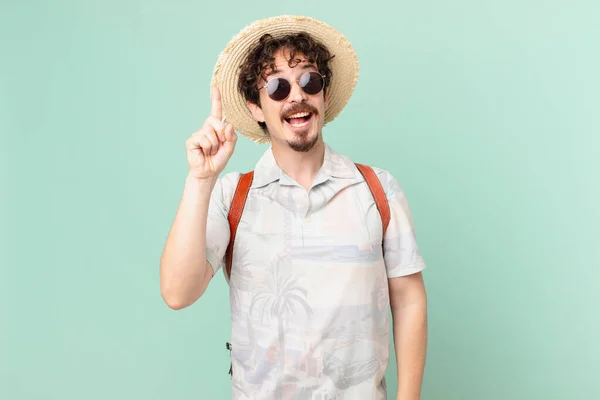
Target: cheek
(271,113)
(321,104)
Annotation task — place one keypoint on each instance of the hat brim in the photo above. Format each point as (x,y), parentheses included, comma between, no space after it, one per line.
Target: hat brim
(344,67)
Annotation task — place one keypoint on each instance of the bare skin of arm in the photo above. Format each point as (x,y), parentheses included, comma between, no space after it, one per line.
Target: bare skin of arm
(184,271)
(408,301)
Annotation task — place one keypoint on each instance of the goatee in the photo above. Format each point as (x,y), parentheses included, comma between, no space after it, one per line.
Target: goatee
(303,145)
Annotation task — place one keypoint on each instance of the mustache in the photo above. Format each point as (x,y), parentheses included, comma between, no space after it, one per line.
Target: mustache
(298,108)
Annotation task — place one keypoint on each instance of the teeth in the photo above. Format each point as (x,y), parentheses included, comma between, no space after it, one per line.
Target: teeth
(299,125)
(299,115)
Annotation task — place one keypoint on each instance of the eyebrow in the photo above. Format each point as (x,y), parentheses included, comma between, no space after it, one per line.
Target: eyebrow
(308,65)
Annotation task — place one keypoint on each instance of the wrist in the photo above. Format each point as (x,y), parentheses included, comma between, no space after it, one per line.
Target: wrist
(203,184)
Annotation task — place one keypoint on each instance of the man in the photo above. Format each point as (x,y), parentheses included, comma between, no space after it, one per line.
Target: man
(313,277)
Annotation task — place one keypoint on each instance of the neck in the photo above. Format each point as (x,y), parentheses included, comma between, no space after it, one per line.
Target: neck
(300,166)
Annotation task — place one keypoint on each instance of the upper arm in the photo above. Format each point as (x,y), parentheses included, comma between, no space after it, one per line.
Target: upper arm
(208,275)
(406,290)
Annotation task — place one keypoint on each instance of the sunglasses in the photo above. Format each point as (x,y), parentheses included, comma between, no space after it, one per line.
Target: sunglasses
(279,88)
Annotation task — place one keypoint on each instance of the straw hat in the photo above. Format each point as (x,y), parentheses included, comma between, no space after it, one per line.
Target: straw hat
(344,67)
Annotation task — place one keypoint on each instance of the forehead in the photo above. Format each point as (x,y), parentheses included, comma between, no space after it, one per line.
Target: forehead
(283,61)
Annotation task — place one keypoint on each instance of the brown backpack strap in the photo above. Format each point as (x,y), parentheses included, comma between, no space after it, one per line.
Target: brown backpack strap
(235,213)
(378,193)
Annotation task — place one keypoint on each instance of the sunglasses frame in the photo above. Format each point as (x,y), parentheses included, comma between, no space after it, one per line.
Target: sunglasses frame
(297,81)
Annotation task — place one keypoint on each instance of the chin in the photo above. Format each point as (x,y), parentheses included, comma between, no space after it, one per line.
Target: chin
(304,143)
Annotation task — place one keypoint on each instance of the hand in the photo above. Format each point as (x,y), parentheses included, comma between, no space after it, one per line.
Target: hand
(209,149)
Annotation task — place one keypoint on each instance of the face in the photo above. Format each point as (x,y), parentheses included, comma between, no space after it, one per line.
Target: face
(296,121)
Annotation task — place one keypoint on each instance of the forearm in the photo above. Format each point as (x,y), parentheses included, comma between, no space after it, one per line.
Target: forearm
(410,342)
(183,266)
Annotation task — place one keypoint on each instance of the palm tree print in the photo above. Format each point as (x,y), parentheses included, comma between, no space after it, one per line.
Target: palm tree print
(279,298)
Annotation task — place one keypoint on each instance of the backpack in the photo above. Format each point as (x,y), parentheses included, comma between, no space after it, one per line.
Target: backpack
(243,187)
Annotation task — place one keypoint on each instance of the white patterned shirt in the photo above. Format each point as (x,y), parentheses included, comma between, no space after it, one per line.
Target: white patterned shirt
(308,289)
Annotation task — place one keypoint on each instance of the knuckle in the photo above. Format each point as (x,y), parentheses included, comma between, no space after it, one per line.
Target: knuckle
(197,134)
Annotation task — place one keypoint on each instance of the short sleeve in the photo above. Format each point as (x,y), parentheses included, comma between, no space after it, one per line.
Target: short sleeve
(217,224)
(401,251)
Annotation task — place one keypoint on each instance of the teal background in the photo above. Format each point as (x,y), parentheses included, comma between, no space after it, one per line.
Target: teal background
(485,111)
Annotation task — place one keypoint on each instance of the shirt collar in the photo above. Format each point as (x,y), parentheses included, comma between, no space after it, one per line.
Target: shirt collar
(335,166)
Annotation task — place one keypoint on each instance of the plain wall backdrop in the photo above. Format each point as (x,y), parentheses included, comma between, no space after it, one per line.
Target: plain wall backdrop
(487,112)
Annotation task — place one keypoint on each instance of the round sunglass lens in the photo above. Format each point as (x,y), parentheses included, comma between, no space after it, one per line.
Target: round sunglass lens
(311,82)
(278,89)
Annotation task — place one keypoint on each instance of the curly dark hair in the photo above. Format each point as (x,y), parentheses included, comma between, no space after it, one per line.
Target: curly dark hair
(260,61)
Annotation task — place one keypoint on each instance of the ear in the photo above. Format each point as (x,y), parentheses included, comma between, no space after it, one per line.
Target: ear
(326,98)
(256,111)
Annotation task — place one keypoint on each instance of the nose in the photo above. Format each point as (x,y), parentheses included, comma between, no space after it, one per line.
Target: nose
(297,95)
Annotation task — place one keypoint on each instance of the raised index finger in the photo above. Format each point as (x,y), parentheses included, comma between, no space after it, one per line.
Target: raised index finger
(215,110)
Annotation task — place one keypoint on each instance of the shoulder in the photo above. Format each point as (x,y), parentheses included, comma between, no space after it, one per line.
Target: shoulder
(389,183)
(225,187)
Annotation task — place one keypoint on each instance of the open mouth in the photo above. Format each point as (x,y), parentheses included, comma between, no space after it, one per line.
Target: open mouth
(299,120)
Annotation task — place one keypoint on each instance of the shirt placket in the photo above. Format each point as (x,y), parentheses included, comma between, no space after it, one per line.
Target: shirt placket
(302,207)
